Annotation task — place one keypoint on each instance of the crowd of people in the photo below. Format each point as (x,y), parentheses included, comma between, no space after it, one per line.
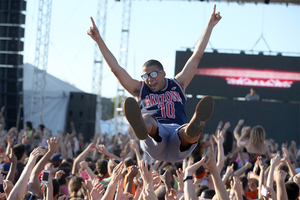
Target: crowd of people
(224,165)
(163,155)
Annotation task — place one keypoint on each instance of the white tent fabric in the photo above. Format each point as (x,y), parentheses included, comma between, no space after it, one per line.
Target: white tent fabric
(108,126)
(56,100)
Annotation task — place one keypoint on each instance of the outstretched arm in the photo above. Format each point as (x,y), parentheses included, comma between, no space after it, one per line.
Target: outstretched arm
(186,75)
(130,84)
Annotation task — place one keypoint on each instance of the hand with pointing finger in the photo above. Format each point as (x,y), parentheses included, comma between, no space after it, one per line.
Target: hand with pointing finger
(215,17)
(93,31)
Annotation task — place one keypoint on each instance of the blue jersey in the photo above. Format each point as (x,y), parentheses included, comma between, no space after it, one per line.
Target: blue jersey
(166,105)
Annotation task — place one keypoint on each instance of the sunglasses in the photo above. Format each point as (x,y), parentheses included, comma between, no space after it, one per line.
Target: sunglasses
(152,74)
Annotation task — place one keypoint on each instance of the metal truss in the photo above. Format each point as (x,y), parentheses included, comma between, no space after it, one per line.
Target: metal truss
(98,61)
(118,113)
(41,61)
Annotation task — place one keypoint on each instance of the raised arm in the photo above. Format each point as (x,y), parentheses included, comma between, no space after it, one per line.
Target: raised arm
(186,75)
(236,130)
(220,140)
(189,189)
(81,157)
(130,84)
(136,149)
(210,165)
(34,183)
(88,170)
(21,186)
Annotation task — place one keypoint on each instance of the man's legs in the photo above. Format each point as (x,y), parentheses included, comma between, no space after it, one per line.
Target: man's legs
(141,125)
(192,131)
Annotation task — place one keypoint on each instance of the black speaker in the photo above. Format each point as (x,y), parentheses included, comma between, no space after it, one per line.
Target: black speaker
(12,19)
(82,111)
(11,45)
(7,17)
(12,31)
(11,59)
(13,5)
(11,87)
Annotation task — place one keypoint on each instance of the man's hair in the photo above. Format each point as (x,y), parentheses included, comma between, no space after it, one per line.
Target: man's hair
(28,196)
(116,150)
(67,172)
(101,166)
(153,62)
(56,187)
(292,190)
(228,141)
(19,150)
(42,126)
(29,125)
(208,193)
(200,188)
(65,165)
(128,162)
(235,165)
(244,181)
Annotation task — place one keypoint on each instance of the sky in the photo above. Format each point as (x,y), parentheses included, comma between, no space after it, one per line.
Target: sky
(157,30)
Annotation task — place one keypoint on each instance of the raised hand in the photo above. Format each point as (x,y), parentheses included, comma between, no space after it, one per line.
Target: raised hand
(52,144)
(120,194)
(83,164)
(236,184)
(102,149)
(149,195)
(241,122)
(220,137)
(134,145)
(133,171)
(11,156)
(92,147)
(192,168)
(93,31)
(138,192)
(229,169)
(156,180)
(215,17)
(167,179)
(7,186)
(171,195)
(276,160)
(211,164)
(97,191)
(280,175)
(59,174)
(179,179)
(117,171)
(146,174)
(34,155)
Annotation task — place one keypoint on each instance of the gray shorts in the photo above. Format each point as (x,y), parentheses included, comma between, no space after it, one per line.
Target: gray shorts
(169,148)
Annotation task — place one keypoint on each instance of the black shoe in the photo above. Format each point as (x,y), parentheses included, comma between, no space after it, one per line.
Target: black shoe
(133,115)
(201,116)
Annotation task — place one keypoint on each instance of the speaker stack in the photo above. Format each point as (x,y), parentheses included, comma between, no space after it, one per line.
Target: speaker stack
(12,20)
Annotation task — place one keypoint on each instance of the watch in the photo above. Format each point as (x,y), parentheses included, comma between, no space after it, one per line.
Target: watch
(188,178)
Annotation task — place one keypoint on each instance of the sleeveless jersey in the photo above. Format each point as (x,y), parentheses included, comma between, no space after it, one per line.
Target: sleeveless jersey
(166,105)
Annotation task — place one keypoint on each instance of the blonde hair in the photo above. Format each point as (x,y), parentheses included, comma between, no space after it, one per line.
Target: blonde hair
(257,135)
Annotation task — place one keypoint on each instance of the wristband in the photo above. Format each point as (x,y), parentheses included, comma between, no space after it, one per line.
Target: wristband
(188,178)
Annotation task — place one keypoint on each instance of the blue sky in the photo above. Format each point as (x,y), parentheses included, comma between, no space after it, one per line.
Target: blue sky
(158,29)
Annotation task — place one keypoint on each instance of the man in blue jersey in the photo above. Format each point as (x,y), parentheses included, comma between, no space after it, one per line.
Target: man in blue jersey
(157,111)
